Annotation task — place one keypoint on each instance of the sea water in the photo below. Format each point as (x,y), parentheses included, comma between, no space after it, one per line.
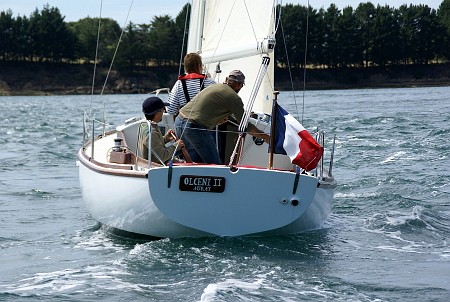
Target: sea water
(387,238)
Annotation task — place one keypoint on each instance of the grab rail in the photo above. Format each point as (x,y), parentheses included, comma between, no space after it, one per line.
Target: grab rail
(150,150)
(332,157)
(322,143)
(93,138)
(320,137)
(136,163)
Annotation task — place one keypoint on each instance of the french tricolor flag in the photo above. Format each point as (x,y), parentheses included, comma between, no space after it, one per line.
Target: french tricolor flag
(292,139)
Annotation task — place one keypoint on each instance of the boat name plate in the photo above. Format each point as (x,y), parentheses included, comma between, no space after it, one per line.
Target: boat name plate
(196,183)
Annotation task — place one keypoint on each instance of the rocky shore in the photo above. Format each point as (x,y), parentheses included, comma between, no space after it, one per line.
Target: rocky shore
(66,79)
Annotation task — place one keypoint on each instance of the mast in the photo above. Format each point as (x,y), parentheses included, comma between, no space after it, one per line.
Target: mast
(196,25)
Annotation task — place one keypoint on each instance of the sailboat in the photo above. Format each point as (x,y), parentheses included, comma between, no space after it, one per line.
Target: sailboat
(256,192)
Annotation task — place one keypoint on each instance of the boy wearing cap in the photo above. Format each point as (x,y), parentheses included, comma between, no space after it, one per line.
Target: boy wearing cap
(153,109)
(211,107)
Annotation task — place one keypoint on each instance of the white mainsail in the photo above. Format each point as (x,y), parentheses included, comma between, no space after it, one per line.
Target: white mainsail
(236,34)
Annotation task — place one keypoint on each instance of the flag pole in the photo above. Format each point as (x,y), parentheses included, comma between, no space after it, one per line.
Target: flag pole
(272,128)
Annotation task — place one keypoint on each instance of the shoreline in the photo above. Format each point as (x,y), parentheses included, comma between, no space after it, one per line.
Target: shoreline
(35,79)
(280,88)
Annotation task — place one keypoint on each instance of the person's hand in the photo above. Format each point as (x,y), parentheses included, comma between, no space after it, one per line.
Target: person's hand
(266,138)
(180,144)
(171,135)
(223,121)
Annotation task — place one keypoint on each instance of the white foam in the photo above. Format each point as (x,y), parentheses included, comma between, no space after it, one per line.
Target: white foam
(212,290)
(394,157)
(97,241)
(357,195)
(106,276)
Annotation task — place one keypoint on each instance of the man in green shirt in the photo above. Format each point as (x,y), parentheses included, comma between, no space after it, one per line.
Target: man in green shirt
(212,107)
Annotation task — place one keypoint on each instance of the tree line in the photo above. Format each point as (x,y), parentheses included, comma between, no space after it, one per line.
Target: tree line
(366,36)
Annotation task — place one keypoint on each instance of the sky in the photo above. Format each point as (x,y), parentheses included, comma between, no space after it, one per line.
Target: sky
(143,11)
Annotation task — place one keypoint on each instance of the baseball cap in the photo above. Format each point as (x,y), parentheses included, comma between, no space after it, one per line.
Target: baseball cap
(237,76)
(152,105)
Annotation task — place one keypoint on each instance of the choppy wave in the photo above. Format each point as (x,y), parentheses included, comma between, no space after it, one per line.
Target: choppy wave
(386,240)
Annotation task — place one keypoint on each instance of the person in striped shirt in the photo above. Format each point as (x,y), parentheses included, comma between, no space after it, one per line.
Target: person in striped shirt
(189,84)
(186,87)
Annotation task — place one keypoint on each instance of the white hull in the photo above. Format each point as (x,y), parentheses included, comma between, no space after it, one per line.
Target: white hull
(254,202)
(124,203)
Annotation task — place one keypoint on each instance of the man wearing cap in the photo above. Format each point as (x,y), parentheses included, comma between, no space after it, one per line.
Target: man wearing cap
(153,109)
(212,107)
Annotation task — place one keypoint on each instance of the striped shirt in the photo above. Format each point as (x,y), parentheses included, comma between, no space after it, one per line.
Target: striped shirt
(177,98)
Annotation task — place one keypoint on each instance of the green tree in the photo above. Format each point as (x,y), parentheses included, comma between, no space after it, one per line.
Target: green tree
(6,34)
(422,35)
(86,31)
(35,35)
(181,30)
(14,37)
(132,51)
(162,41)
(349,37)
(331,36)
(365,36)
(443,14)
(50,37)
(21,46)
(426,22)
(314,37)
(386,33)
(317,53)
(407,33)
(436,35)
(365,14)
(293,19)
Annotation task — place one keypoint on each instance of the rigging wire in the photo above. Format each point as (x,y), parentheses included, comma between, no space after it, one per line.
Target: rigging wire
(184,38)
(117,48)
(223,31)
(250,20)
(280,3)
(289,66)
(304,67)
(306,53)
(96,55)
(188,12)
(256,38)
(112,61)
